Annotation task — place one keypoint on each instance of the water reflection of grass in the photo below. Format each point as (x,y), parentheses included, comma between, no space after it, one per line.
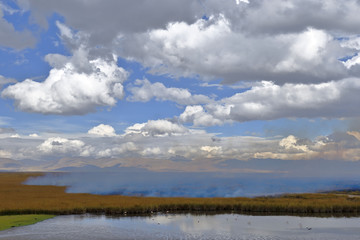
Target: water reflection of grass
(21,220)
(16,198)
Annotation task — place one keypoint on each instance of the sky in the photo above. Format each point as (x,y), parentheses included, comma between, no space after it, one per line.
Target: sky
(186,85)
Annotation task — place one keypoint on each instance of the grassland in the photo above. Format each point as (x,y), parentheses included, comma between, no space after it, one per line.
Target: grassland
(10,221)
(16,198)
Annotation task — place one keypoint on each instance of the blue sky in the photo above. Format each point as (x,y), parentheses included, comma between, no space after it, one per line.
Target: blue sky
(157,80)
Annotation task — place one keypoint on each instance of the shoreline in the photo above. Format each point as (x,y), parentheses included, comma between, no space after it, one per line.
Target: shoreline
(113,212)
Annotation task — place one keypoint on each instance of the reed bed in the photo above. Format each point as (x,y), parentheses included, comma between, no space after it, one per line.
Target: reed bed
(16,198)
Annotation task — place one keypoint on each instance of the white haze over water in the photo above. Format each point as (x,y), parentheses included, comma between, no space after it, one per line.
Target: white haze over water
(179,184)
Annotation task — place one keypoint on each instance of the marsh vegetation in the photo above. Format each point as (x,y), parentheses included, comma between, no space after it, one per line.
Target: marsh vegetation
(16,198)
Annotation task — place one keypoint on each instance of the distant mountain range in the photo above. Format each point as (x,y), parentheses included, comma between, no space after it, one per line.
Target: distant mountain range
(290,168)
(63,165)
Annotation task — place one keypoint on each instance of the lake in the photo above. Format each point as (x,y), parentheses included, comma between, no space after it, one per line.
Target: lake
(190,184)
(187,226)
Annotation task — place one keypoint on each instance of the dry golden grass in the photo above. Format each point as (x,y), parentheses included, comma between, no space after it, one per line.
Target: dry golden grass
(16,198)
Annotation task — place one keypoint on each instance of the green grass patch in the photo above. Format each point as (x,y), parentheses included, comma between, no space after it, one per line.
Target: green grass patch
(10,221)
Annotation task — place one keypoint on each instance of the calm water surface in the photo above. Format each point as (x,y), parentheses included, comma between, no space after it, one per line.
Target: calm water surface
(186,226)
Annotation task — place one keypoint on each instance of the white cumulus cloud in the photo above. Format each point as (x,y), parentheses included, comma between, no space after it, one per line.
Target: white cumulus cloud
(145,90)
(214,48)
(103,130)
(197,115)
(291,143)
(274,40)
(268,101)
(159,127)
(60,145)
(70,90)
